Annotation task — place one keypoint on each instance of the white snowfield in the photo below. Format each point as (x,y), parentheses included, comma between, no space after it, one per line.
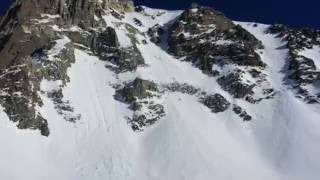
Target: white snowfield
(190,143)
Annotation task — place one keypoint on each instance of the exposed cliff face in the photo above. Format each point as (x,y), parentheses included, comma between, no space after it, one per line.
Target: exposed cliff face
(72,11)
(213,43)
(202,34)
(21,22)
(27,33)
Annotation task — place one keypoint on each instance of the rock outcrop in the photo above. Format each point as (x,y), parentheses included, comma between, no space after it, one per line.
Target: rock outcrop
(29,30)
(212,42)
(143,98)
(302,70)
(21,22)
(216,103)
(206,37)
(233,84)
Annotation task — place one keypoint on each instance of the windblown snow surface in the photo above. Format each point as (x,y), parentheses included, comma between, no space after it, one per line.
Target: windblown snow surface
(190,143)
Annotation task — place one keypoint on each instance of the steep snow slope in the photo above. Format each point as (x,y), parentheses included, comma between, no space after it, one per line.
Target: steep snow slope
(189,143)
(286,129)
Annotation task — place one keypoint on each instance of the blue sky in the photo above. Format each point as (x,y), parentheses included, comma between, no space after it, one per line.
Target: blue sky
(296,13)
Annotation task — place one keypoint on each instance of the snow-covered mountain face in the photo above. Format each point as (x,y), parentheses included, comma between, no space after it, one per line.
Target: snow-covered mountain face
(105,90)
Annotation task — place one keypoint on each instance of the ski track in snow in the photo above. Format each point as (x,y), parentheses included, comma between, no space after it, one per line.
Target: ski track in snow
(190,143)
